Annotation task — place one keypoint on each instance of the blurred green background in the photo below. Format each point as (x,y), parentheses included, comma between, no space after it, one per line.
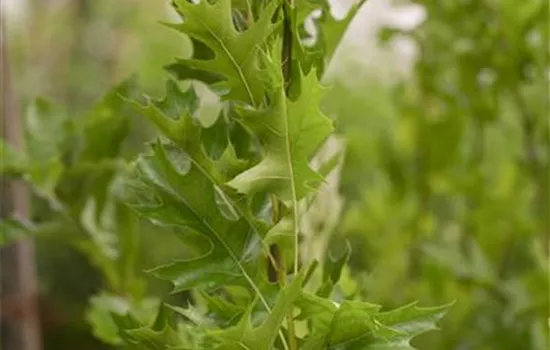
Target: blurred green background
(445,180)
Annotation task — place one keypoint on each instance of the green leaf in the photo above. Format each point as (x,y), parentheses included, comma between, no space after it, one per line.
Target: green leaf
(177,103)
(382,330)
(332,271)
(235,54)
(412,320)
(107,125)
(333,29)
(149,339)
(100,234)
(100,318)
(158,335)
(126,225)
(359,325)
(352,320)
(173,115)
(192,314)
(13,162)
(47,132)
(282,234)
(12,230)
(45,177)
(190,157)
(318,51)
(97,147)
(290,131)
(244,336)
(221,310)
(171,190)
(104,308)
(318,311)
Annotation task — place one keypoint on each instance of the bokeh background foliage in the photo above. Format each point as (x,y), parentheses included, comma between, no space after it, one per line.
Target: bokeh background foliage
(444,184)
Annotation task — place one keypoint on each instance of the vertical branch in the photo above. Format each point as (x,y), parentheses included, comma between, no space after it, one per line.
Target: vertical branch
(276,269)
(278,272)
(287,72)
(19,282)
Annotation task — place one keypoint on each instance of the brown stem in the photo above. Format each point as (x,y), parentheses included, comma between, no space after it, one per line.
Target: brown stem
(18,271)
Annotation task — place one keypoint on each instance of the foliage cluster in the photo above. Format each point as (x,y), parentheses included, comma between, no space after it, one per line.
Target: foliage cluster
(236,190)
(448,200)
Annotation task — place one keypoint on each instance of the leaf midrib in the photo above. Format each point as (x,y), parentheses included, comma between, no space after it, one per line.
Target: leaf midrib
(231,59)
(217,235)
(219,238)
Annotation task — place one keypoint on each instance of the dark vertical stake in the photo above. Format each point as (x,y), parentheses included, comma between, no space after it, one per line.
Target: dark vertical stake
(20,323)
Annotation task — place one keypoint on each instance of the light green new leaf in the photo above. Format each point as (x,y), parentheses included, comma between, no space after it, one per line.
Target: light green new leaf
(235,54)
